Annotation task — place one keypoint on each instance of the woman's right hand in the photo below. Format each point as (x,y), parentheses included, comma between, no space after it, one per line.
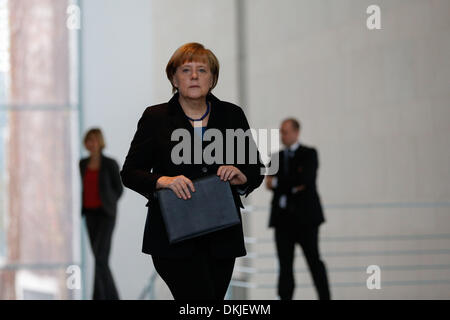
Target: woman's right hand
(179,184)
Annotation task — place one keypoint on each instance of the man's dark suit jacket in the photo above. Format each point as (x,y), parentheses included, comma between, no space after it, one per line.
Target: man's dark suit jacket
(304,207)
(109,183)
(149,158)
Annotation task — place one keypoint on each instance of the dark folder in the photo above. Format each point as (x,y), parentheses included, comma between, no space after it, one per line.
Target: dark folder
(210,208)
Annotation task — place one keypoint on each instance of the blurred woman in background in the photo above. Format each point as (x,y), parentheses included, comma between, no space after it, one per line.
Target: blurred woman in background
(102,188)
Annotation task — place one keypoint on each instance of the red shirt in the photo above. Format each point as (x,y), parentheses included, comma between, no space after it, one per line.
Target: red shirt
(91,194)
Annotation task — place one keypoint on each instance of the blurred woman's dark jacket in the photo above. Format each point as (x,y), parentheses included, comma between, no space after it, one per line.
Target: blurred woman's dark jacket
(109,184)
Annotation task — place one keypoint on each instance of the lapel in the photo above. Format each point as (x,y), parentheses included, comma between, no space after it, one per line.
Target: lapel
(83,166)
(102,166)
(296,158)
(299,158)
(282,167)
(300,151)
(85,162)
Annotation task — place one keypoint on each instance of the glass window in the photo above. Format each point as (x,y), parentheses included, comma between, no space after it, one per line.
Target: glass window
(39,145)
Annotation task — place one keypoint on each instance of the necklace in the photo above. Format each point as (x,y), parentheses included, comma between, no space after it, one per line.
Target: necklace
(203,117)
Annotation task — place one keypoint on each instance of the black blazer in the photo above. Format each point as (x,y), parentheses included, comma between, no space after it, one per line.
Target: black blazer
(149,158)
(304,207)
(109,184)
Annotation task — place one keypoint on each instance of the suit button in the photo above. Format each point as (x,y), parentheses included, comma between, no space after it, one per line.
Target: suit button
(204,169)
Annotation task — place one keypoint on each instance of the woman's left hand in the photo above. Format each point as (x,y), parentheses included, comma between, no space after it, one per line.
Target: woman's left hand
(232,174)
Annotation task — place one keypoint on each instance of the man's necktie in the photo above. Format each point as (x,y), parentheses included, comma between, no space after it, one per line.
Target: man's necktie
(288,154)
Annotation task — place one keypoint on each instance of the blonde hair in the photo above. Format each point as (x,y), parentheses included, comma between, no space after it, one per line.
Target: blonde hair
(97,134)
(192,52)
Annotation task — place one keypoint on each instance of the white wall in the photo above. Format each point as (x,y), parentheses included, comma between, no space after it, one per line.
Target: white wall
(117,86)
(374,104)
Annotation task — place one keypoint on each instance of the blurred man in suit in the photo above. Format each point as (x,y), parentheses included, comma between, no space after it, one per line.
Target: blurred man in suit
(296,211)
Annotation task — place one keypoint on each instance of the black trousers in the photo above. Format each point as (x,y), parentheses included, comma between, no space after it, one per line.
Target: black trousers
(286,236)
(100,227)
(199,277)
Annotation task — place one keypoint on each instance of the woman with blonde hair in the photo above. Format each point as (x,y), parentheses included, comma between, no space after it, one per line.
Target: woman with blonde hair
(201,267)
(101,190)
